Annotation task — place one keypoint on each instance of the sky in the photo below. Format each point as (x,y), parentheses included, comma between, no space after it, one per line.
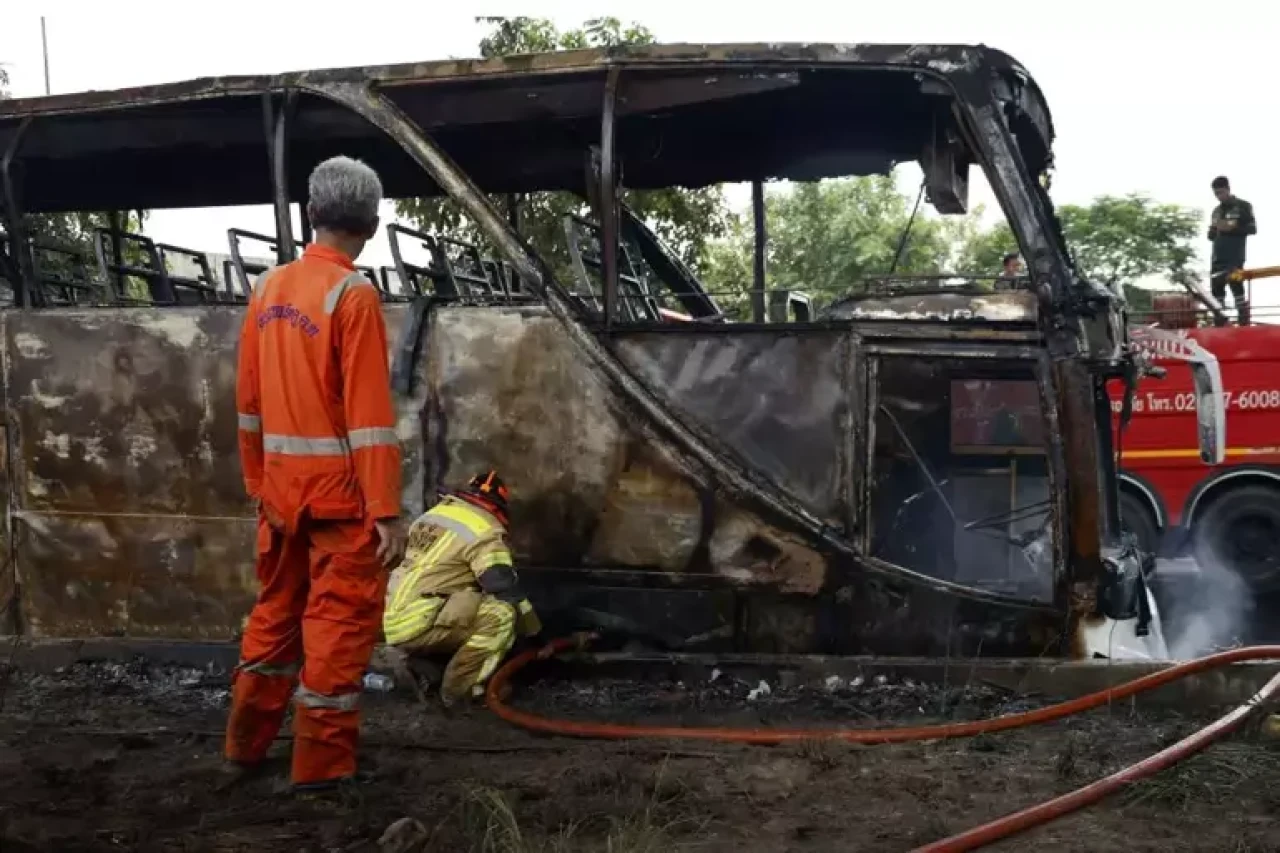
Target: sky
(1146,96)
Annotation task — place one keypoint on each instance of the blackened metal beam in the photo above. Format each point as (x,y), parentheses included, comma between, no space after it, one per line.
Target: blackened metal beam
(1086,491)
(286,249)
(276,121)
(761,246)
(609,199)
(116,225)
(1110,483)
(1047,386)
(307,234)
(26,291)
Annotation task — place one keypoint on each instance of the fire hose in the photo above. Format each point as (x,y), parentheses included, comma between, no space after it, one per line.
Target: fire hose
(971,839)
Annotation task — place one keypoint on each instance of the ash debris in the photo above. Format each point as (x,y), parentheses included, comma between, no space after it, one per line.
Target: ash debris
(102,694)
(777,700)
(101,685)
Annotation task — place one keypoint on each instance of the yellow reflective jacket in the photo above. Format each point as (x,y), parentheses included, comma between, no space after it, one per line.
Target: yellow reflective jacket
(452,547)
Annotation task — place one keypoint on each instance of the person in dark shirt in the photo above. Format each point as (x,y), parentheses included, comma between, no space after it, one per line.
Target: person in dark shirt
(1010,272)
(1230,226)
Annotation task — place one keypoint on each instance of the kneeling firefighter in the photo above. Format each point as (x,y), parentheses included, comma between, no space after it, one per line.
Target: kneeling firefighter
(457,590)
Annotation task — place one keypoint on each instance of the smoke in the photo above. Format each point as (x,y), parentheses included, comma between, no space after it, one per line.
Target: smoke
(1206,610)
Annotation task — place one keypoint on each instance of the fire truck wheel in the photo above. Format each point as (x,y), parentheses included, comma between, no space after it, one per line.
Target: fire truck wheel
(1240,531)
(1137,518)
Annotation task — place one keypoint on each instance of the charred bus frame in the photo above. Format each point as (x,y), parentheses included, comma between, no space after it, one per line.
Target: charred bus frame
(644,117)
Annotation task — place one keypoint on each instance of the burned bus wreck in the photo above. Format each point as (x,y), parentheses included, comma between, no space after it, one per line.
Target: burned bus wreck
(917,468)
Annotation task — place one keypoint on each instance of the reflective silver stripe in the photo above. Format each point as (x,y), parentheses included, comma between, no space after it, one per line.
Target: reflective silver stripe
(261,283)
(341,702)
(331,298)
(263,668)
(373,437)
(296,445)
(250,423)
(464,532)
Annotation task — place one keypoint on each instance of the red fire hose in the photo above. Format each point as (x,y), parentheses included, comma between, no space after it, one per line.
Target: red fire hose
(974,838)
(1011,824)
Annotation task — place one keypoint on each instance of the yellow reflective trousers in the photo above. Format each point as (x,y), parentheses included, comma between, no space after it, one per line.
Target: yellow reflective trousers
(477,648)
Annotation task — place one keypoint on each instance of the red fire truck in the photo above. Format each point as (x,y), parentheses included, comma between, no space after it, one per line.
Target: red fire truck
(1177,505)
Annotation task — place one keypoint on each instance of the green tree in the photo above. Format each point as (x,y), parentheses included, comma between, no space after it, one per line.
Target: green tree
(1118,239)
(826,238)
(979,251)
(686,219)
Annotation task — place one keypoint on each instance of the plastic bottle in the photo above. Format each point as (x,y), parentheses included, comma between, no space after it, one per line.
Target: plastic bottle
(375,682)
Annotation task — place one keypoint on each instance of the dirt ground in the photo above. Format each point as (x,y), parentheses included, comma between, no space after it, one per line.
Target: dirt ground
(125,757)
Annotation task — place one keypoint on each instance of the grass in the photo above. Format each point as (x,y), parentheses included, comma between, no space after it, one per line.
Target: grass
(825,754)
(492,826)
(1213,777)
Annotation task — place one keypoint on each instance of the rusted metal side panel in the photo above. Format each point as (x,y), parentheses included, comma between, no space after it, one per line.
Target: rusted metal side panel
(780,402)
(147,576)
(409,417)
(590,485)
(130,513)
(10,607)
(507,392)
(131,516)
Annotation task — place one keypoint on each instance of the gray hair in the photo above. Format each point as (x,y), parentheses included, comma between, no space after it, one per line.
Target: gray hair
(344,195)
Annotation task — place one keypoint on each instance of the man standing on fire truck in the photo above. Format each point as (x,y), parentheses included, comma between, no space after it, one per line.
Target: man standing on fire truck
(321,461)
(1230,225)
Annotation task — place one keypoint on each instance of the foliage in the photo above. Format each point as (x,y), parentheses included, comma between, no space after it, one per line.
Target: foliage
(686,219)
(538,35)
(979,251)
(1127,238)
(1118,239)
(825,238)
(830,234)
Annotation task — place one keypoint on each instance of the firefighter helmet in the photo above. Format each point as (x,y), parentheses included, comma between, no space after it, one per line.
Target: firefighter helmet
(490,487)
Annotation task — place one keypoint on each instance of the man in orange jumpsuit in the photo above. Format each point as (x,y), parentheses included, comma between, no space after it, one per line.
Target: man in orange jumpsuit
(321,460)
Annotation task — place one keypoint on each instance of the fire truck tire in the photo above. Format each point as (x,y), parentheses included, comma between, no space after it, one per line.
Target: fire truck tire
(1137,518)
(1240,530)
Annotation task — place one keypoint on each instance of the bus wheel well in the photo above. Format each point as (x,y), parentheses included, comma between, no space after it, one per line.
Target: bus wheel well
(1219,489)
(1238,528)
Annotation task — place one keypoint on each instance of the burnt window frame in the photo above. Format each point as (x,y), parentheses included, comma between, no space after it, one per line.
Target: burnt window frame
(991,354)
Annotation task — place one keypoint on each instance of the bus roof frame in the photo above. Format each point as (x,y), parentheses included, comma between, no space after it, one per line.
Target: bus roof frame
(211,125)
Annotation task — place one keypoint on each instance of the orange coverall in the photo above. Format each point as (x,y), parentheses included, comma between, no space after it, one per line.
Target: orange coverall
(319,451)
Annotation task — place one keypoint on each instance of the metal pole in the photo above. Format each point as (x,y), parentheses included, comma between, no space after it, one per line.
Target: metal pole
(276,123)
(44,41)
(609,200)
(117,250)
(25,290)
(513,211)
(280,177)
(308,234)
(761,242)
